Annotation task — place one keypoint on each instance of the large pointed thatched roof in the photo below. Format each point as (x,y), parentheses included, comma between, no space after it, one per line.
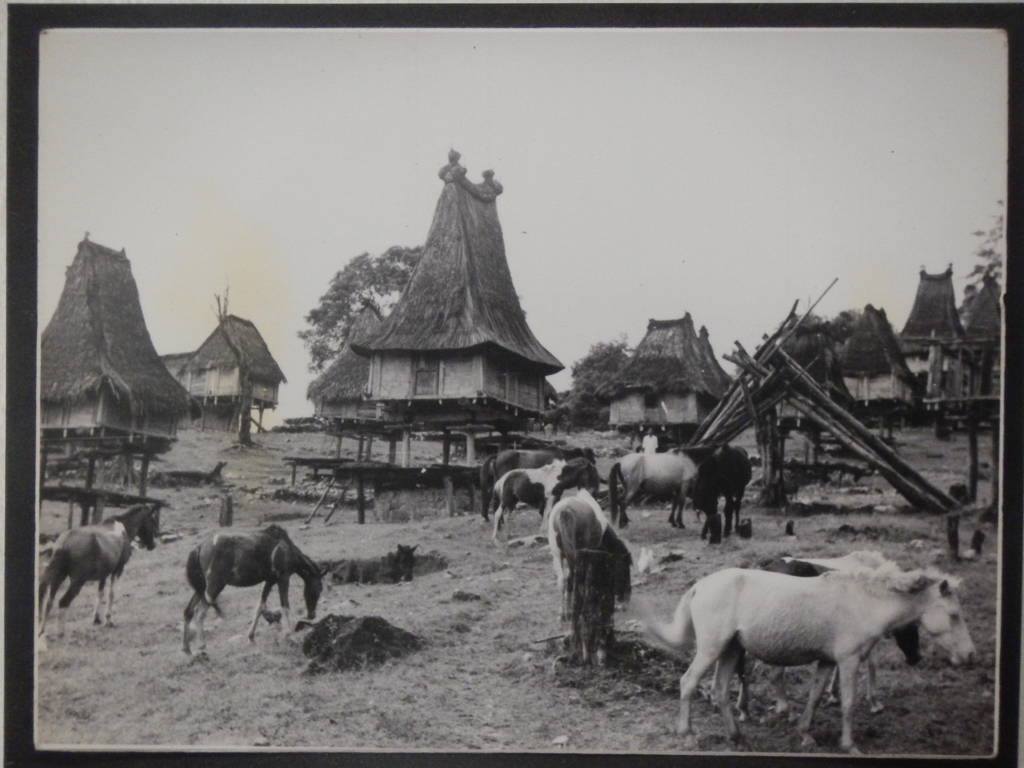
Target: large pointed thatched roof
(872,349)
(98,336)
(672,358)
(461,295)
(236,342)
(346,377)
(980,313)
(934,313)
(814,347)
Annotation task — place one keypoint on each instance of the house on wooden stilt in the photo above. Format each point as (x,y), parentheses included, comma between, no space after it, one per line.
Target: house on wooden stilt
(456,352)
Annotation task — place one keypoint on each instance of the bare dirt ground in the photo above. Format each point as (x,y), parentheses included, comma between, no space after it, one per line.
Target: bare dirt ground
(481,682)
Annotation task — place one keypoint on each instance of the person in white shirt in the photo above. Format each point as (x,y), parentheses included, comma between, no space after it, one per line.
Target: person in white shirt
(650,442)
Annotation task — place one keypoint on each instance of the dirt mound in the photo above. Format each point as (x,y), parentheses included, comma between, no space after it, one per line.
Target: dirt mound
(337,643)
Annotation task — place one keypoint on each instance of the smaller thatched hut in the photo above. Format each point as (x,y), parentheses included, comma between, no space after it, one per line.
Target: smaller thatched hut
(873,366)
(672,380)
(99,370)
(982,321)
(931,337)
(340,391)
(231,368)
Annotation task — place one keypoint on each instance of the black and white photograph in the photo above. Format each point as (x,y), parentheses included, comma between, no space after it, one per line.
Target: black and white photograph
(511,390)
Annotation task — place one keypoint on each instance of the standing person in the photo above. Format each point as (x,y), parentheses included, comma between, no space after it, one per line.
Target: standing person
(650,442)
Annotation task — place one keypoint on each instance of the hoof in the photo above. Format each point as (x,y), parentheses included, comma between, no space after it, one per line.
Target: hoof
(877,707)
(808,741)
(742,716)
(852,750)
(689,740)
(831,701)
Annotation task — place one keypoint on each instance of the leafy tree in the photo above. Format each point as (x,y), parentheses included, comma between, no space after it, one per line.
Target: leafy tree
(841,326)
(376,280)
(588,400)
(989,251)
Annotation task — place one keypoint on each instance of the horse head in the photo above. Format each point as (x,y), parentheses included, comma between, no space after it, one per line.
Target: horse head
(140,522)
(943,621)
(404,562)
(313,583)
(909,640)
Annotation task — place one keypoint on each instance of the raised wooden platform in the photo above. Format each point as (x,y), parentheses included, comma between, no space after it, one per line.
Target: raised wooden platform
(94,500)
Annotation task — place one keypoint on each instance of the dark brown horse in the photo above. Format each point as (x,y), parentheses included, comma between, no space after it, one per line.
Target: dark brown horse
(93,553)
(266,557)
(726,473)
(513,458)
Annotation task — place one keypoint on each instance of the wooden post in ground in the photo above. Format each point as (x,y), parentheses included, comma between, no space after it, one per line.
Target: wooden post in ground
(392,448)
(227,511)
(953,534)
(449,495)
(90,472)
(715,528)
(446,447)
(972,453)
(71,514)
(294,467)
(337,448)
(97,511)
(360,499)
(593,604)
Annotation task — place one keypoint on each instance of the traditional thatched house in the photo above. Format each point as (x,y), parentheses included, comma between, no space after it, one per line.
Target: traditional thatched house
(673,379)
(982,322)
(341,390)
(874,370)
(931,337)
(231,368)
(456,347)
(100,374)
(175,365)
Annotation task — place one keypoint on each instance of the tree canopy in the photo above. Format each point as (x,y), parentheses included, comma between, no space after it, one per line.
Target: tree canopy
(376,280)
(590,375)
(989,252)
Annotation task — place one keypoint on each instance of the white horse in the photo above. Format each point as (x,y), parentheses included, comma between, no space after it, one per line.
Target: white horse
(834,619)
(533,486)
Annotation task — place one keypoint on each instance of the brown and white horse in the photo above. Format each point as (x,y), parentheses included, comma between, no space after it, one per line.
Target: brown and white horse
(531,486)
(266,557)
(834,619)
(93,553)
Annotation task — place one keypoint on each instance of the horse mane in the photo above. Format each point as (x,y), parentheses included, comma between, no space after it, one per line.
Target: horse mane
(889,578)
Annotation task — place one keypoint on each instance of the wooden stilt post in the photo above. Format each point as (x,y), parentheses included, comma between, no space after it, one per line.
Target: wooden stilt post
(71,514)
(953,534)
(259,423)
(144,475)
(446,447)
(470,448)
(406,448)
(449,495)
(227,511)
(97,510)
(359,450)
(368,453)
(294,467)
(337,446)
(392,448)
(360,499)
(90,472)
(972,453)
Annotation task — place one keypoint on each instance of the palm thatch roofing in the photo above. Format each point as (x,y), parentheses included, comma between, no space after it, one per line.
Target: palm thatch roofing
(813,345)
(98,337)
(672,359)
(873,349)
(934,313)
(461,296)
(980,313)
(346,377)
(175,362)
(236,342)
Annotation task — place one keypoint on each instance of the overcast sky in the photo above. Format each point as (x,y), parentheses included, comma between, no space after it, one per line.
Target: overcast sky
(647,173)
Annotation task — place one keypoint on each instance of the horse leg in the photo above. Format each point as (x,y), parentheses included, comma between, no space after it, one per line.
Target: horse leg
(833,689)
(821,673)
(723,676)
(190,611)
(688,683)
(848,694)
(62,606)
(259,610)
(498,515)
(97,614)
(743,700)
(282,593)
(204,606)
(109,621)
(874,705)
(46,594)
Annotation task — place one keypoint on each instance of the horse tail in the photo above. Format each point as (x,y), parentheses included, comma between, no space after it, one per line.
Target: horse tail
(674,636)
(614,478)
(196,579)
(486,485)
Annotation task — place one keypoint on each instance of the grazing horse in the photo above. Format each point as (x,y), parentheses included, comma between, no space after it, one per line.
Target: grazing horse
(726,473)
(907,637)
(834,619)
(579,523)
(530,486)
(265,557)
(514,458)
(660,475)
(93,553)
